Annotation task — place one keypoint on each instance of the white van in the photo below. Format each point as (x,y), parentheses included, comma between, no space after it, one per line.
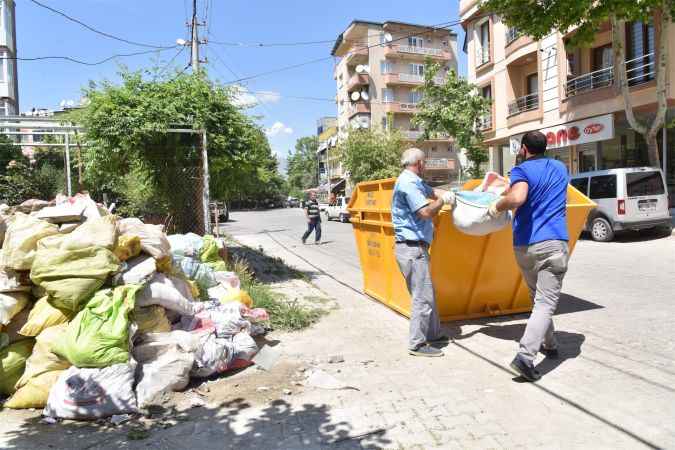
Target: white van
(628,199)
(338,210)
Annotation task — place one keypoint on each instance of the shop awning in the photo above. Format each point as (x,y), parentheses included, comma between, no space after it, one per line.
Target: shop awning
(340,185)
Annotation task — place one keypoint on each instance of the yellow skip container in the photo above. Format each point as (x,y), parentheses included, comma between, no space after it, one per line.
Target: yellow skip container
(473,276)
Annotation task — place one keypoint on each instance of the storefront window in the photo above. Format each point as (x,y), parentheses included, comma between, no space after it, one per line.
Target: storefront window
(626,149)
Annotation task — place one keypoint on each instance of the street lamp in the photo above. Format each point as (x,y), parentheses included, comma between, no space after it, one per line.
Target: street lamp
(180,41)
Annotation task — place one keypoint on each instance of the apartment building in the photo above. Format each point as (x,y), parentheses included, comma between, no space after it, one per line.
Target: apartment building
(9,90)
(380,67)
(329,179)
(569,94)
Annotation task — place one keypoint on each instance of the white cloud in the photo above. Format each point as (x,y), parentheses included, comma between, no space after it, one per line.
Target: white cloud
(278,128)
(247,99)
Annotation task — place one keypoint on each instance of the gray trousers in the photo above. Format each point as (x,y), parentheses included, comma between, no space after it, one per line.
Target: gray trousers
(543,265)
(425,324)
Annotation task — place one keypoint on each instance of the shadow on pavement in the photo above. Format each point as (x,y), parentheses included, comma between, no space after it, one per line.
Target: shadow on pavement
(231,424)
(627,237)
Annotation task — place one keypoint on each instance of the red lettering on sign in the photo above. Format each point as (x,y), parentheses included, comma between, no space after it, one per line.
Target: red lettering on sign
(550,138)
(573,133)
(594,128)
(561,137)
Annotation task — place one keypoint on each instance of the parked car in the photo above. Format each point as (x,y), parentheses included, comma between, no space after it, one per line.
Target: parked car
(627,199)
(223,211)
(338,210)
(292,202)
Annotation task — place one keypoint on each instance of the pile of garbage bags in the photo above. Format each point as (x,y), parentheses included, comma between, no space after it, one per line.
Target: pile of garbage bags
(470,208)
(101,315)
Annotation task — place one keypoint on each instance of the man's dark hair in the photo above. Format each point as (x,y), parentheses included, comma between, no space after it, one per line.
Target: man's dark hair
(535,141)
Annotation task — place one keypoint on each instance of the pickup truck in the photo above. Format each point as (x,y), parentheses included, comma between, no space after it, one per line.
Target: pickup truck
(338,210)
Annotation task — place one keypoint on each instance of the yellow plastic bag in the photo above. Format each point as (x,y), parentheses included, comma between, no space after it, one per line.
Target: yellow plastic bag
(238,295)
(42,359)
(194,288)
(210,254)
(12,363)
(128,246)
(35,393)
(71,277)
(164,265)
(100,231)
(151,319)
(21,238)
(42,316)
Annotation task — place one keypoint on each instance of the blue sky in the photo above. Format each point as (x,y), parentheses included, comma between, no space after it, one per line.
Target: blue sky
(161,22)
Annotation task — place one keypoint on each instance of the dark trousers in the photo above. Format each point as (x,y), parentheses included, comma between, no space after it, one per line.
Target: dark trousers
(312,225)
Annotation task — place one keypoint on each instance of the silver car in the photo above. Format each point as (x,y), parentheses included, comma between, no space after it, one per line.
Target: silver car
(627,198)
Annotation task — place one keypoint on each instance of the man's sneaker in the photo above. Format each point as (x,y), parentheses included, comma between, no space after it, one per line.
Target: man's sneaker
(443,339)
(426,350)
(317,243)
(304,241)
(550,352)
(525,369)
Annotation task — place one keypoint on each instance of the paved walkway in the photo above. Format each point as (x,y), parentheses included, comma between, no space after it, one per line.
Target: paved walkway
(614,386)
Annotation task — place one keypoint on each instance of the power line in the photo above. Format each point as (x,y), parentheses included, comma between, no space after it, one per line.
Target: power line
(85,63)
(441,26)
(164,69)
(262,44)
(90,28)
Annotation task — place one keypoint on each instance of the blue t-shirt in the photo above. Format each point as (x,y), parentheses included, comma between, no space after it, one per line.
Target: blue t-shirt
(543,216)
(411,194)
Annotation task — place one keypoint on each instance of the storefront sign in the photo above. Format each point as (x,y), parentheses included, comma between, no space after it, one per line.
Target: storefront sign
(584,131)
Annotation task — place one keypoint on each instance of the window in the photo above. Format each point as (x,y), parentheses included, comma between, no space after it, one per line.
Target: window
(572,64)
(483,43)
(387,95)
(644,183)
(603,187)
(416,69)
(581,184)
(640,52)
(384,123)
(3,66)
(382,39)
(486,91)
(4,108)
(414,97)
(386,67)
(532,84)
(602,57)
(415,41)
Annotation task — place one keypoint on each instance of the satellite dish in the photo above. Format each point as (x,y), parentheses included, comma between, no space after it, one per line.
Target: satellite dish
(360,68)
(366,69)
(71,103)
(62,104)
(388,37)
(355,96)
(364,95)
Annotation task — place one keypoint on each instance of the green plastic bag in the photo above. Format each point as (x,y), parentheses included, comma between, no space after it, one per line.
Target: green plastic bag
(71,277)
(13,363)
(209,254)
(99,335)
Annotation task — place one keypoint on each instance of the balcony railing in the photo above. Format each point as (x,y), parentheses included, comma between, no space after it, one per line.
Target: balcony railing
(512,34)
(436,163)
(523,104)
(590,81)
(485,122)
(638,70)
(410,78)
(641,69)
(413,134)
(420,50)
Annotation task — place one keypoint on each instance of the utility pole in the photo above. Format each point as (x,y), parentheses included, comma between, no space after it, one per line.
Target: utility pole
(195,39)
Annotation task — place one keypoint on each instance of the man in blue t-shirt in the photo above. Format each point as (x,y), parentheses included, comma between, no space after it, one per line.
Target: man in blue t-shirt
(538,193)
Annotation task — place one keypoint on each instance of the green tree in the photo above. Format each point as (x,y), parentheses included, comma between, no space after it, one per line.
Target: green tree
(8,152)
(371,154)
(453,108)
(538,19)
(303,165)
(126,129)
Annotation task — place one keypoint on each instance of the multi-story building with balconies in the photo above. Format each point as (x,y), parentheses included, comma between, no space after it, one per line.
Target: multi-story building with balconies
(569,94)
(380,67)
(9,90)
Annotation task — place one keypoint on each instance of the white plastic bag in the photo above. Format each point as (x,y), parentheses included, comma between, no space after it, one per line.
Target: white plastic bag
(101,231)
(136,271)
(213,356)
(470,213)
(169,292)
(165,361)
(11,304)
(93,393)
(153,239)
(10,281)
(244,346)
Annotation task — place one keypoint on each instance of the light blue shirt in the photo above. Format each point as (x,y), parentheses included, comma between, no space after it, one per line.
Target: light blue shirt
(411,194)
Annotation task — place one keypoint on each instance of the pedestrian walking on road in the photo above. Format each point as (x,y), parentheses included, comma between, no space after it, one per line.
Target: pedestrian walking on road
(313,215)
(414,205)
(538,193)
